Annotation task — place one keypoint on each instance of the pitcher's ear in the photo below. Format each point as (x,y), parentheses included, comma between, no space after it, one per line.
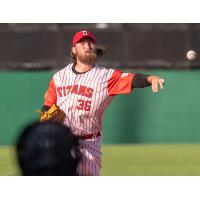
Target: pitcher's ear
(73,50)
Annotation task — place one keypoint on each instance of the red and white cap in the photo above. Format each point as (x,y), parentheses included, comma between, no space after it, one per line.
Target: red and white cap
(83,34)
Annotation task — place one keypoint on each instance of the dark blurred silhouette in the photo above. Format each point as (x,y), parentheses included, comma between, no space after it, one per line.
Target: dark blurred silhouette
(47,149)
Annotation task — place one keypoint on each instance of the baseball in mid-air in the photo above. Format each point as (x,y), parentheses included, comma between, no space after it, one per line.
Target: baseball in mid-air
(191,55)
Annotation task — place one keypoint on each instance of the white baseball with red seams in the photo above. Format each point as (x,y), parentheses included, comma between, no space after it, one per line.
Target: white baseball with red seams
(84,97)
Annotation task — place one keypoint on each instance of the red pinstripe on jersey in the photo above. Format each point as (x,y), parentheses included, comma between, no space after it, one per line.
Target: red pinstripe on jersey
(84,97)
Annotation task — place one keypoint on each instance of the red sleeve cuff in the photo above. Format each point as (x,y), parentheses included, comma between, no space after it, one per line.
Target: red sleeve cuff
(120,83)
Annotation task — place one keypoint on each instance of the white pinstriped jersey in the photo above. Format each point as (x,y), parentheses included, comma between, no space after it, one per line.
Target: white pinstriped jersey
(84,97)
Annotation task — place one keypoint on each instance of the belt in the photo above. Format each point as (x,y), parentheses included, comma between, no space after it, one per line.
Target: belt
(90,136)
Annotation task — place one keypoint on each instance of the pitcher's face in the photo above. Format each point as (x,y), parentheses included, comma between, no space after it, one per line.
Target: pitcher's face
(85,51)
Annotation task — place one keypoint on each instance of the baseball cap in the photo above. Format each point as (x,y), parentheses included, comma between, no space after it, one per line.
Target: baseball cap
(83,34)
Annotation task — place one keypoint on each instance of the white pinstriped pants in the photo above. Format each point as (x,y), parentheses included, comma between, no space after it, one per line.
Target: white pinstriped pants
(90,164)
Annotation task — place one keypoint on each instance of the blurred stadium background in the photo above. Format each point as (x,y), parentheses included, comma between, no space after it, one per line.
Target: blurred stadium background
(144,133)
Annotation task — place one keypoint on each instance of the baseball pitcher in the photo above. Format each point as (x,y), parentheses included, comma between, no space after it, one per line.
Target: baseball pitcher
(83,90)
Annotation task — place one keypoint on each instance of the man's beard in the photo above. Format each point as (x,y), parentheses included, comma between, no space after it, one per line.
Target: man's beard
(88,57)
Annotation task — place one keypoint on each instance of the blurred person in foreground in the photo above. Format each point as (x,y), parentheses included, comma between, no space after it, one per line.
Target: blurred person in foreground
(84,89)
(47,149)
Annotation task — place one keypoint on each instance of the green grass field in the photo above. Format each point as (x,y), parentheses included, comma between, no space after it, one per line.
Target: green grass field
(133,160)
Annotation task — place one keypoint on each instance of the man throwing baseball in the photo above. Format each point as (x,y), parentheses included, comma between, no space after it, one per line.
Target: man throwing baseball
(84,89)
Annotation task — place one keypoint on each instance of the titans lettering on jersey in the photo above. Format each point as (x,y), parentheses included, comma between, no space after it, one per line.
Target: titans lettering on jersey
(84,97)
(77,89)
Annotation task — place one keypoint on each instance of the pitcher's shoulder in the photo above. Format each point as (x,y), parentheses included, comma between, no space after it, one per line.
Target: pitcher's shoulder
(64,70)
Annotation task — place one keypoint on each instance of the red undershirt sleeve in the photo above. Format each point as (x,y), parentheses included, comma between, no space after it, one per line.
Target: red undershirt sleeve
(120,83)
